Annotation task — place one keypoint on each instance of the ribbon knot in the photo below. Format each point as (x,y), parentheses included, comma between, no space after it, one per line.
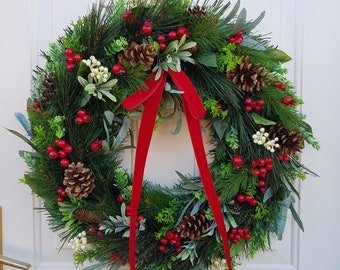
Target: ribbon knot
(194,111)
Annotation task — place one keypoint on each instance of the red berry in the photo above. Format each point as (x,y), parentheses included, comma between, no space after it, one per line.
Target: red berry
(238,41)
(282,87)
(247,236)
(269,160)
(53,154)
(57,142)
(161,248)
(147,28)
(69,60)
(277,84)
(96,145)
(253,202)
(237,237)
(172,35)
(163,241)
(263,172)
(234,241)
(87,119)
(261,162)
(239,34)
(128,208)
(62,154)
(231,236)
(237,161)
(60,191)
(49,148)
(64,162)
(100,234)
(36,104)
(60,199)
(240,231)
(245,230)
(179,249)
(254,163)
(287,100)
(79,120)
(69,52)
(77,58)
(161,39)
(256,172)
(81,112)
(140,218)
(231,40)
(261,183)
(181,31)
(162,47)
(233,230)
(240,198)
(269,167)
(169,235)
(62,143)
(253,104)
(257,108)
(64,194)
(172,242)
(70,68)
(248,108)
(118,69)
(92,230)
(177,237)
(247,101)
(68,149)
(260,102)
(248,198)
(120,198)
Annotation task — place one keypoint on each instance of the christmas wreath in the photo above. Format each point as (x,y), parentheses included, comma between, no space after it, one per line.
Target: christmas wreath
(161,59)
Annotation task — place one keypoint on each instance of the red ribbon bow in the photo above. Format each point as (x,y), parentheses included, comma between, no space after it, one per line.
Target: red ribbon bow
(194,111)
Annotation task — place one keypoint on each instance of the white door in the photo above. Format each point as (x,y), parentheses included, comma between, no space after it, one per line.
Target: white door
(305,29)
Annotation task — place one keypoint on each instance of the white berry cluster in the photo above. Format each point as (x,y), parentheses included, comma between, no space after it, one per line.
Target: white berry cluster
(218,264)
(261,138)
(98,71)
(79,242)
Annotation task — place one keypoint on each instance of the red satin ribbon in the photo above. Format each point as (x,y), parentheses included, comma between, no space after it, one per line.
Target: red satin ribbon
(194,111)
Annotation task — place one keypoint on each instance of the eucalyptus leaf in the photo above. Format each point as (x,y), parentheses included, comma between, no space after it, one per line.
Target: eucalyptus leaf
(269,193)
(233,12)
(23,121)
(262,121)
(109,116)
(281,222)
(296,217)
(220,127)
(208,60)
(109,95)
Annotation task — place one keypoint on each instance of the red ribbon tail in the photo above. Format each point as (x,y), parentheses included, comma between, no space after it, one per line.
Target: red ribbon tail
(208,184)
(143,143)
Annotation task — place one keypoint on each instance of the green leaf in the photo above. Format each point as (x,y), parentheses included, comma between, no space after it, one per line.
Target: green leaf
(208,59)
(220,127)
(276,55)
(109,95)
(109,116)
(23,138)
(82,81)
(85,97)
(262,121)
(296,217)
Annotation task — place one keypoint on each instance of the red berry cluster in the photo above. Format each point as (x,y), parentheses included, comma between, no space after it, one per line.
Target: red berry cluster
(82,117)
(115,257)
(147,27)
(253,105)
(96,231)
(171,238)
(62,194)
(71,58)
(172,35)
(53,153)
(279,85)
(260,168)
(129,17)
(128,214)
(236,234)
(118,69)
(284,157)
(237,38)
(241,198)
(120,198)
(287,100)
(36,106)
(237,161)
(96,145)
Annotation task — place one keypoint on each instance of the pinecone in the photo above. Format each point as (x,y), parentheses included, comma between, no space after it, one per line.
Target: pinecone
(290,142)
(47,91)
(85,215)
(78,180)
(248,76)
(197,10)
(138,54)
(193,227)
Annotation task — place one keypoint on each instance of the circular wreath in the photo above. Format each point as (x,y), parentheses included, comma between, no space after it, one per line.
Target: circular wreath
(78,129)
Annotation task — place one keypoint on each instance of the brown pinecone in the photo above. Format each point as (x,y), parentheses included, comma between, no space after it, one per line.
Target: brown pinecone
(47,90)
(290,142)
(197,10)
(248,76)
(138,54)
(193,227)
(85,215)
(78,180)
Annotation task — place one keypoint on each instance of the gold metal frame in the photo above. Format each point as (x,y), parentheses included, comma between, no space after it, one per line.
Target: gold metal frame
(9,261)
